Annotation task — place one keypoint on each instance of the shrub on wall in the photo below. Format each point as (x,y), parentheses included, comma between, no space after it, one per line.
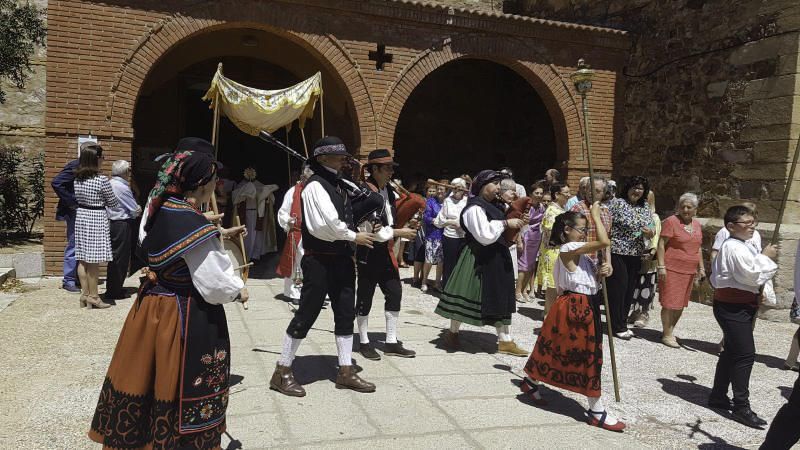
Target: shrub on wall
(21,190)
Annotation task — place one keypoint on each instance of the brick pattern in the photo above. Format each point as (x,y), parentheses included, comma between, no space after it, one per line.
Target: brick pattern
(94,76)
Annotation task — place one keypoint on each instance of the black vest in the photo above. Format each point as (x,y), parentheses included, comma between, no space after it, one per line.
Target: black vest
(330,182)
(493,266)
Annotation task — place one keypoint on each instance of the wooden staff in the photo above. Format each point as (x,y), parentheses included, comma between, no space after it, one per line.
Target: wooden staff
(305,145)
(321,113)
(786,193)
(602,279)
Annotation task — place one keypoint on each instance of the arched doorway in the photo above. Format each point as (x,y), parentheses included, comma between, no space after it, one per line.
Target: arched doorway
(170,105)
(473,114)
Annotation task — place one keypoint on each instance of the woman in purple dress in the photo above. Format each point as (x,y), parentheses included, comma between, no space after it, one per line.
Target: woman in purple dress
(531,240)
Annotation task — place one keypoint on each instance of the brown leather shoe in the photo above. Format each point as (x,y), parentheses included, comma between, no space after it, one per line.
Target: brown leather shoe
(451,341)
(348,379)
(283,381)
(510,348)
(397,349)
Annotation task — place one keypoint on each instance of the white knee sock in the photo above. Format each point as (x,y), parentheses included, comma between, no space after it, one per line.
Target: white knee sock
(391,326)
(454,326)
(597,408)
(344,347)
(363,326)
(290,346)
(503,333)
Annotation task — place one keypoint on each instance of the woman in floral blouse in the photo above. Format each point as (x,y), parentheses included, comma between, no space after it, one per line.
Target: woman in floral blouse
(547,254)
(632,224)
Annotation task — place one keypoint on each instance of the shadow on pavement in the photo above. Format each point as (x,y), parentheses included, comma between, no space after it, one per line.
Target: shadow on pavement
(556,402)
(472,342)
(531,312)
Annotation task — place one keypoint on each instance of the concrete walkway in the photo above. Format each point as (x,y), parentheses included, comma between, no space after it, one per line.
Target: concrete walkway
(55,356)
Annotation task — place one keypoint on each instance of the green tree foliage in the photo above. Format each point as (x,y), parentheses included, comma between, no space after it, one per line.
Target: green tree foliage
(21,191)
(21,29)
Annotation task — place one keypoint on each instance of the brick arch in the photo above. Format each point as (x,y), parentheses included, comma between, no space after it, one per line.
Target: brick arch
(544,78)
(172,31)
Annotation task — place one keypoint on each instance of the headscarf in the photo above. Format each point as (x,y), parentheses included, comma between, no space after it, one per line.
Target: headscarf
(183,171)
(483,178)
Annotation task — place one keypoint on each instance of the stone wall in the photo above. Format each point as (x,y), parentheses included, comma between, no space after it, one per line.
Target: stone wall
(711,102)
(22,115)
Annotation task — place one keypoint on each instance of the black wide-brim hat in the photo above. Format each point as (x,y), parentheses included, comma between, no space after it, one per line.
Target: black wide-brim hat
(381,156)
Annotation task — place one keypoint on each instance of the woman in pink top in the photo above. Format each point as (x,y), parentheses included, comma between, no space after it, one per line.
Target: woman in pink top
(680,259)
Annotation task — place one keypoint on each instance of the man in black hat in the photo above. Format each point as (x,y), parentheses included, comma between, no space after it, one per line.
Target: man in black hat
(328,232)
(377,265)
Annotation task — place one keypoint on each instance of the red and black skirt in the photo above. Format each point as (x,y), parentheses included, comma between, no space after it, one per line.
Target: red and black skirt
(569,351)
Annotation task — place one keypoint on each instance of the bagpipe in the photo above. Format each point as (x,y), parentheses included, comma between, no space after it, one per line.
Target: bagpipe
(517,209)
(366,204)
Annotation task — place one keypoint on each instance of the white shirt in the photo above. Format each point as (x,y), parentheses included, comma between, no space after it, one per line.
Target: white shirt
(521,190)
(321,218)
(724,234)
(285,211)
(451,210)
(583,280)
(143,222)
(739,266)
(484,231)
(212,272)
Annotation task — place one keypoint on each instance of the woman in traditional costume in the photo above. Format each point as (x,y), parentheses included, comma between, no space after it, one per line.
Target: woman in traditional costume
(167,384)
(569,350)
(480,290)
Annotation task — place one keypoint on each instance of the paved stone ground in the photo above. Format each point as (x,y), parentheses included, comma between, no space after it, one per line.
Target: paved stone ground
(55,357)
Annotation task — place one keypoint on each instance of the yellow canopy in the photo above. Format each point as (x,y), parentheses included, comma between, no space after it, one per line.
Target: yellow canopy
(253,110)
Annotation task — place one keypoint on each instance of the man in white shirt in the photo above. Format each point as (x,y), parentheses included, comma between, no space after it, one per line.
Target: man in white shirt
(290,219)
(122,222)
(739,275)
(328,269)
(378,267)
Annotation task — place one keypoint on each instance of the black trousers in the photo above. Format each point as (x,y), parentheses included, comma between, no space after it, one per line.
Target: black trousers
(621,285)
(784,432)
(736,360)
(378,271)
(117,269)
(451,249)
(331,275)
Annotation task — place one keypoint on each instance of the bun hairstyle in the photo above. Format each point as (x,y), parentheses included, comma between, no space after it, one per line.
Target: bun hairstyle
(567,219)
(555,188)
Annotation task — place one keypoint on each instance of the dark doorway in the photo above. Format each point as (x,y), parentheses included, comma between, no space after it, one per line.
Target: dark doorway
(474,114)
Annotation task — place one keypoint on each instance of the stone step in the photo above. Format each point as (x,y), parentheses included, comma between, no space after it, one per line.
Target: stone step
(6,273)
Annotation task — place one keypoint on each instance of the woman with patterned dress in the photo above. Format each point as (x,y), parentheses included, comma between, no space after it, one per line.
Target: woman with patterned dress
(531,241)
(449,219)
(559,192)
(433,239)
(167,384)
(480,291)
(631,223)
(569,350)
(92,229)
(680,260)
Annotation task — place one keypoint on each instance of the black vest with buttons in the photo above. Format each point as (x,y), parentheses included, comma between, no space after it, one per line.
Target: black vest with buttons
(331,183)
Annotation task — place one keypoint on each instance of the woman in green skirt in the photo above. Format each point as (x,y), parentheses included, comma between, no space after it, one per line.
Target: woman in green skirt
(480,290)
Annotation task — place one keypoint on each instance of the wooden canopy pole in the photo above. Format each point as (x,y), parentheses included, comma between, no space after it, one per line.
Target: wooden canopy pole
(777,229)
(321,113)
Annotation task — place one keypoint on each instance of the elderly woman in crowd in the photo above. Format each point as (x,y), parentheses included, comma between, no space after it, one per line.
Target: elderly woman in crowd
(94,194)
(449,218)
(631,225)
(167,384)
(680,260)
(531,241)
(509,195)
(560,193)
(122,225)
(418,248)
(433,239)
(645,290)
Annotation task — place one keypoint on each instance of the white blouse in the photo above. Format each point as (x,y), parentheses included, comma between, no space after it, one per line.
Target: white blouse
(583,280)
(320,215)
(285,211)
(451,210)
(212,272)
(485,231)
(739,266)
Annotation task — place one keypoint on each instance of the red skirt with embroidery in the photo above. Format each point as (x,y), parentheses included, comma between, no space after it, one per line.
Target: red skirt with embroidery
(569,351)
(139,402)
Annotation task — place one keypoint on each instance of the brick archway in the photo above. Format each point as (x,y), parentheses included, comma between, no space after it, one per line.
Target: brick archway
(545,79)
(166,34)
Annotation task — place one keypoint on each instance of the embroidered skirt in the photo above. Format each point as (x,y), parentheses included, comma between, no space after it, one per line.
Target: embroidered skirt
(139,403)
(569,351)
(461,299)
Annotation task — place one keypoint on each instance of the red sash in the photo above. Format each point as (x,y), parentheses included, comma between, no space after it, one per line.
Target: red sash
(294,235)
(733,295)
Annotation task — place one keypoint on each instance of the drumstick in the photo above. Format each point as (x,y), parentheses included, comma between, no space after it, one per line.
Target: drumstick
(243,266)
